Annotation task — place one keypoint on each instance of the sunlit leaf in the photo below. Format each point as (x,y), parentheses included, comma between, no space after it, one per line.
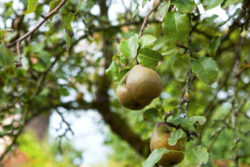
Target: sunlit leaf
(147,40)
(209,4)
(154,157)
(176,26)
(185,6)
(175,136)
(197,155)
(53,4)
(2,33)
(31,6)
(198,119)
(129,47)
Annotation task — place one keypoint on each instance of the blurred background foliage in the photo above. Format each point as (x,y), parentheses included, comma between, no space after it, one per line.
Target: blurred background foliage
(64,66)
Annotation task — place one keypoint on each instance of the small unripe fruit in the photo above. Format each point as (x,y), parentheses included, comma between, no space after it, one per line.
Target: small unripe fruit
(159,139)
(139,87)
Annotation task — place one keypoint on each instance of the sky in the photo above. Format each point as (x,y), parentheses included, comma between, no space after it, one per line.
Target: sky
(88,126)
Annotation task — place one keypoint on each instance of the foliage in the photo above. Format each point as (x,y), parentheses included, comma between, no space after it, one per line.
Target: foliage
(40,154)
(203,63)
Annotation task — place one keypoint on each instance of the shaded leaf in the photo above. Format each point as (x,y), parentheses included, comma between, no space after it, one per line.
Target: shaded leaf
(206,69)
(67,19)
(150,114)
(180,67)
(6,58)
(148,57)
(214,45)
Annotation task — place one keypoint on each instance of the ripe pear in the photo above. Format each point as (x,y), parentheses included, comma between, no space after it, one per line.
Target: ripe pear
(159,139)
(139,87)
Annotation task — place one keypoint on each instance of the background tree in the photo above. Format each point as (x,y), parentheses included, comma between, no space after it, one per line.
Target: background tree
(203,63)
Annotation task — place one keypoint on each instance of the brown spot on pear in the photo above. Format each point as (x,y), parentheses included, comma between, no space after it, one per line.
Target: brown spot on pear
(159,139)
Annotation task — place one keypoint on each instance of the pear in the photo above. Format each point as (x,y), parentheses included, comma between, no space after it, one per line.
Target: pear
(139,87)
(159,139)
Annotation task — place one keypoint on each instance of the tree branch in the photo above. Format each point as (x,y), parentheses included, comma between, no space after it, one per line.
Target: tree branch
(45,18)
(144,24)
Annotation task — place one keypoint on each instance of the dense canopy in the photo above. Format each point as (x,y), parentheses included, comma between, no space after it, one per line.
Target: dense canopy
(72,55)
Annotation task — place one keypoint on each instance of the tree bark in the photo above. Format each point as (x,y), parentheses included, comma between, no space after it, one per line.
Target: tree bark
(116,123)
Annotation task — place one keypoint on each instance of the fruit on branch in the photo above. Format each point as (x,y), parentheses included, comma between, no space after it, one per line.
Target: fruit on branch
(159,139)
(139,87)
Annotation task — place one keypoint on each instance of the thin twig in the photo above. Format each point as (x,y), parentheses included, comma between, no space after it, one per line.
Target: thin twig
(39,25)
(64,134)
(234,109)
(186,95)
(144,24)
(19,64)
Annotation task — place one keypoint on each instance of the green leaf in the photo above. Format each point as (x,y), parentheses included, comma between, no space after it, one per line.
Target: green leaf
(176,26)
(6,58)
(198,119)
(195,46)
(67,19)
(206,69)
(230,2)
(184,122)
(175,136)
(209,21)
(2,33)
(209,4)
(180,67)
(150,114)
(112,71)
(53,4)
(154,157)
(129,47)
(197,155)
(214,45)
(163,9)
(64,92)
(31,6)
(148,57)
(185,6)
(147,40)
(8,127)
